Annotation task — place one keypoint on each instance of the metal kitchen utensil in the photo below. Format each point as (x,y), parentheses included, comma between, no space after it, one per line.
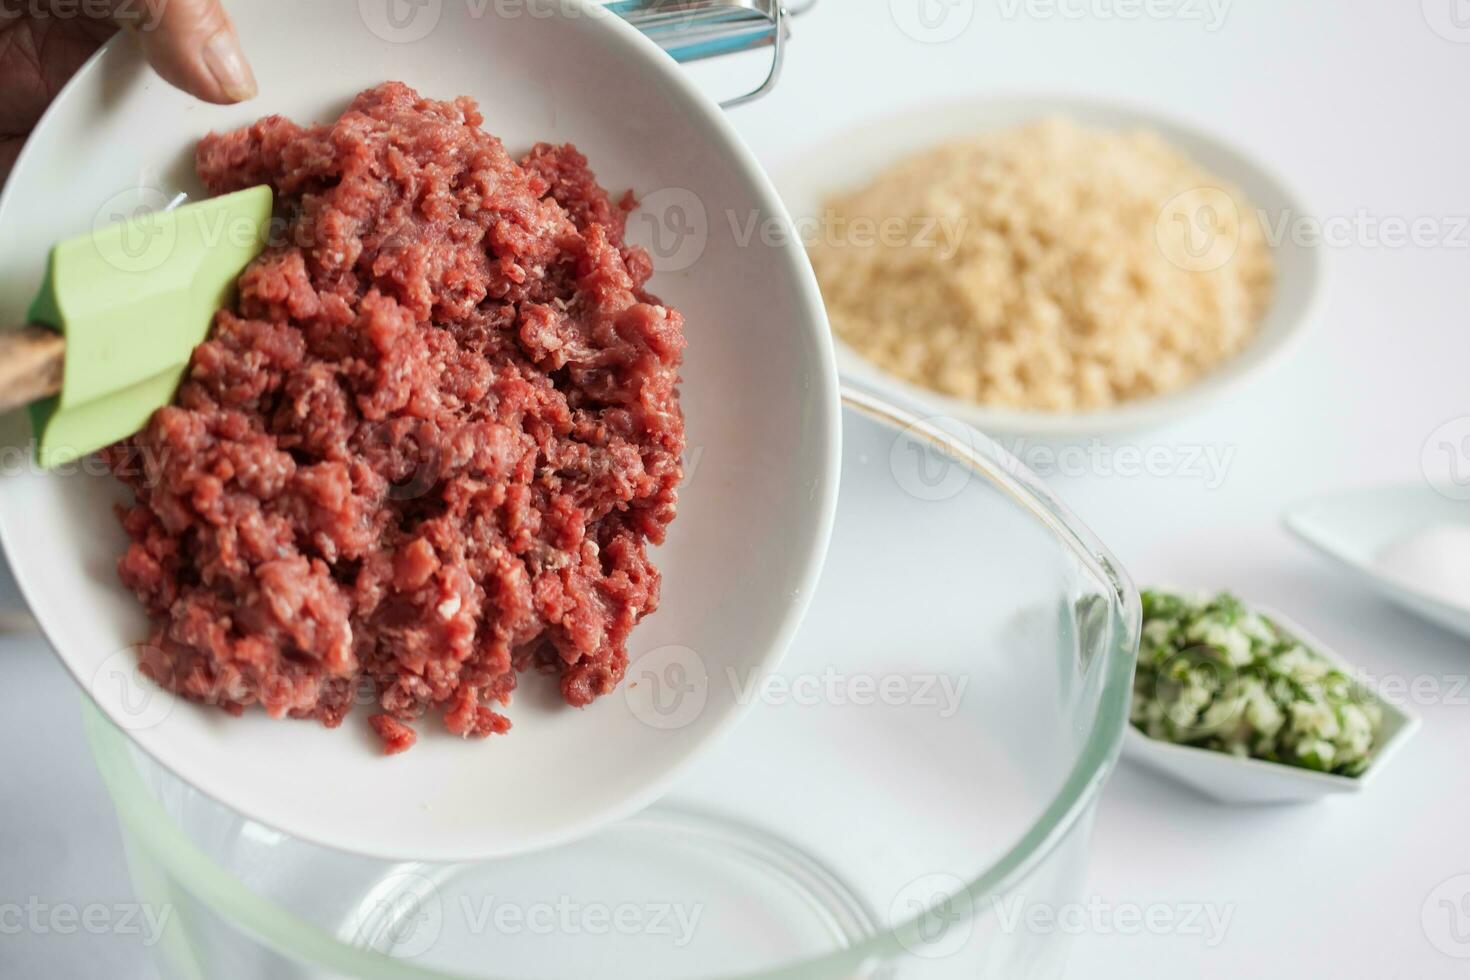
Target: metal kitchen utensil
(692,30)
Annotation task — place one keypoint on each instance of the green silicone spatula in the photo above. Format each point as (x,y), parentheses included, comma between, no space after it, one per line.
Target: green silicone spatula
(121,309)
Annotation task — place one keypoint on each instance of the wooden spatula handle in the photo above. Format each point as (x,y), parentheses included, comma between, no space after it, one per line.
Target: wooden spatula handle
(30,365)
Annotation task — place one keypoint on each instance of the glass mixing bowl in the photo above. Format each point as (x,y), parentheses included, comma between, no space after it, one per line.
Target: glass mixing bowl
(911,795)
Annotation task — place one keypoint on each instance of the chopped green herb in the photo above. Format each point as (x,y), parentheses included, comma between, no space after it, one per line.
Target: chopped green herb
(1213,674)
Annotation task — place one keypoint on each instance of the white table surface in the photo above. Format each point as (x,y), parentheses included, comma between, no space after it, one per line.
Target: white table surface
(1361,104)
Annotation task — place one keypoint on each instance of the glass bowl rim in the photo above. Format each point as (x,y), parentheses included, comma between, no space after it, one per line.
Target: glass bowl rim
(147,823)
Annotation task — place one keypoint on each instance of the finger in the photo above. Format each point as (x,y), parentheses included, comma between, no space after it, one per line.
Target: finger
(192,44)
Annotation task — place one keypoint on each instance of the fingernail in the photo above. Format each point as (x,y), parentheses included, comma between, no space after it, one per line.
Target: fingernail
(226,62)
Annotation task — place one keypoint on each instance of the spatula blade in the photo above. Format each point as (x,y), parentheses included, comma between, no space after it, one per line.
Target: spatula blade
(133,299)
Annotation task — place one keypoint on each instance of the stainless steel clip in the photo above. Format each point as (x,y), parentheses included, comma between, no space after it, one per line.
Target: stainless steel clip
(691,30)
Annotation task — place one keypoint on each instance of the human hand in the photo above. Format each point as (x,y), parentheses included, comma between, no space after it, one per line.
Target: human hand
(190,43)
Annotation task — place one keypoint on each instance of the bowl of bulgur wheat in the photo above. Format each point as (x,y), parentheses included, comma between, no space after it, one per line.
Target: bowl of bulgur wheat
(1050,266)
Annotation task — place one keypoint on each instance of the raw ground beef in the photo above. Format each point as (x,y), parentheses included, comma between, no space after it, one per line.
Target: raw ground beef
(427,448)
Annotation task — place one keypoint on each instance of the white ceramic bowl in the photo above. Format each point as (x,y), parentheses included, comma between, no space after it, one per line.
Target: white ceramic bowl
(759,392)
(1231,779)
(851,158)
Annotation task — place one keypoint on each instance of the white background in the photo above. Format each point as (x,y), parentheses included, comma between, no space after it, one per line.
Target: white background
(1362,105)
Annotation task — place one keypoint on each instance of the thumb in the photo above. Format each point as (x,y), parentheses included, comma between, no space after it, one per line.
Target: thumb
(192,44)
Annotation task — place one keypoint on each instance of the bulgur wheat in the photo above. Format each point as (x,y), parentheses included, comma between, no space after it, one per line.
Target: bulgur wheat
(1076,268)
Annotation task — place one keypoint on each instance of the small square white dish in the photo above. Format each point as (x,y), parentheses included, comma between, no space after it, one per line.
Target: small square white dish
(1355,527)
(1233,779)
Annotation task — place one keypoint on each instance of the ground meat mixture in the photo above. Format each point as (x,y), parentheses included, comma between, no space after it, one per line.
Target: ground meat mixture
(427,448)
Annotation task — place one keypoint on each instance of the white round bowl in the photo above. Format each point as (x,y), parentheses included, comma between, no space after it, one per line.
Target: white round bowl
(852,158)
(759,393)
